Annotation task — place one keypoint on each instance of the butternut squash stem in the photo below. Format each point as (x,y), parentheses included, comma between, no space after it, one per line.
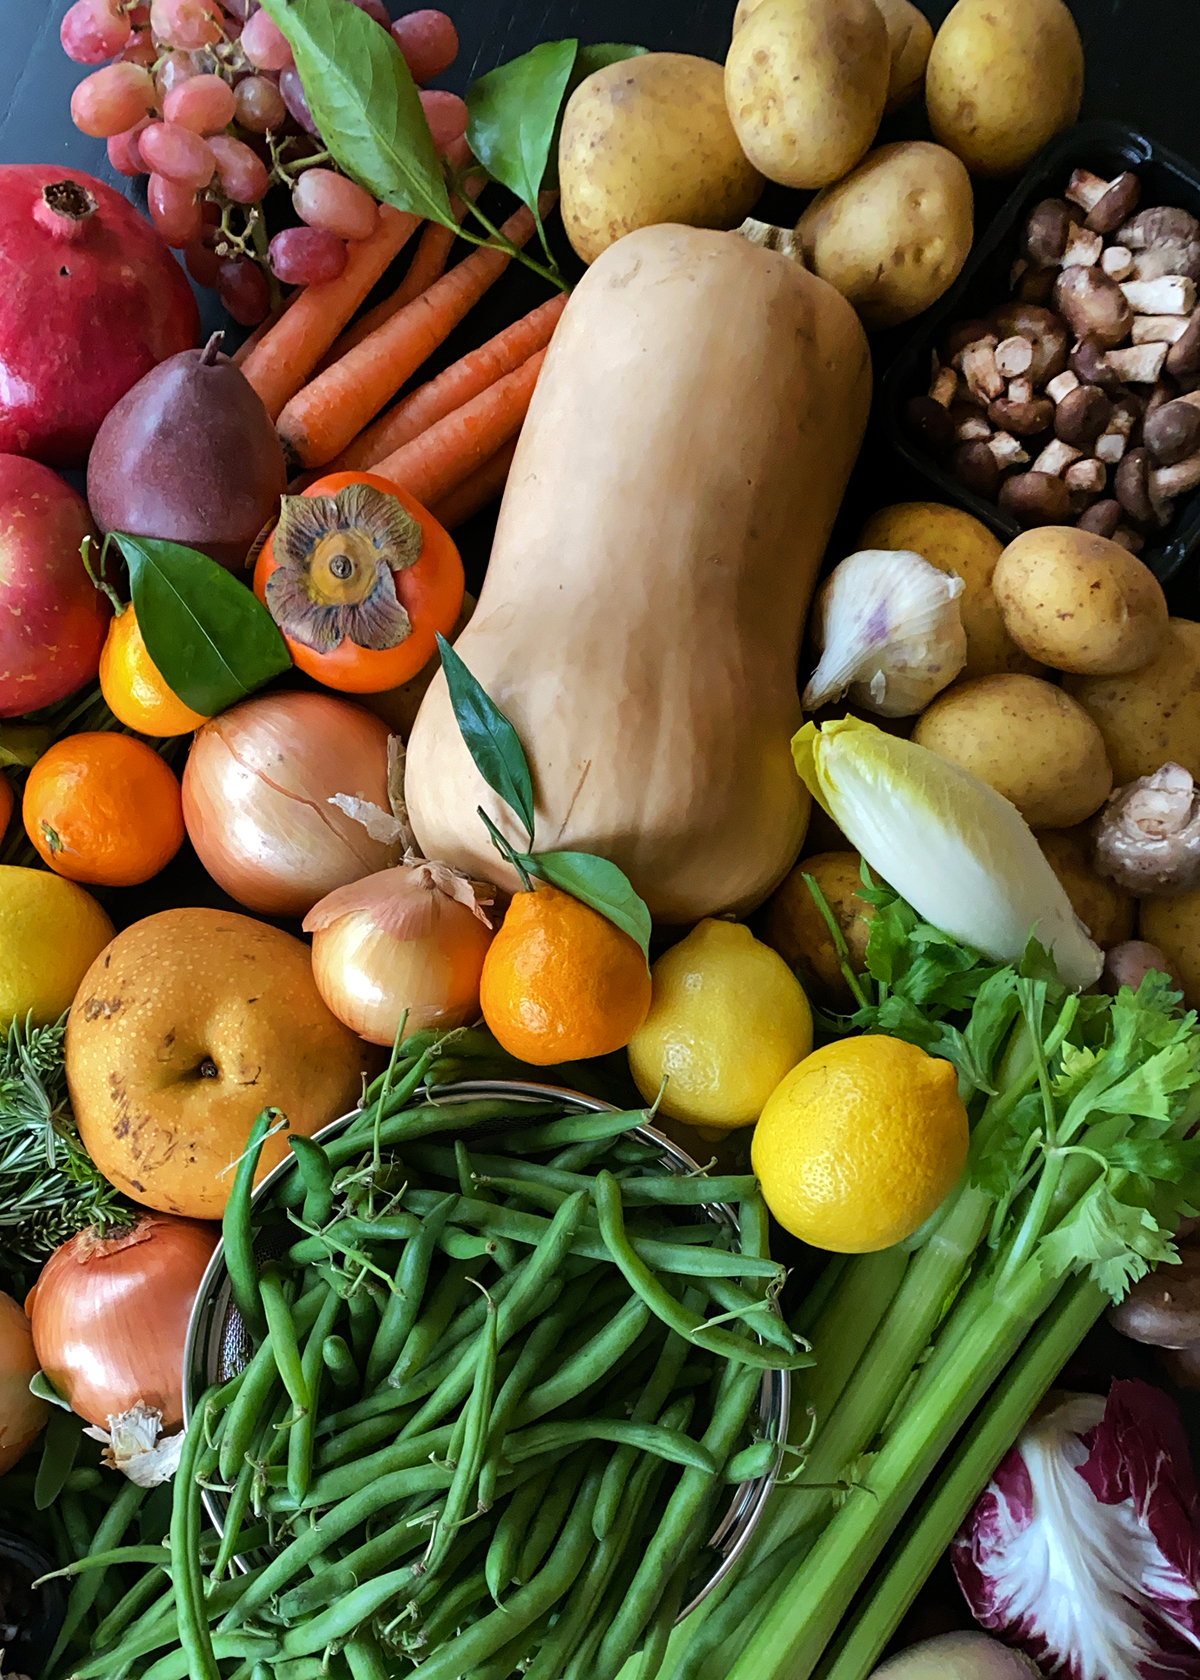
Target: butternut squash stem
(507,852)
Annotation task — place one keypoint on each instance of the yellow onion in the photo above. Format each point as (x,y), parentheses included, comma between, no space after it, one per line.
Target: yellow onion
(110,1316)
(411,938)
(259,792)
(21,1413)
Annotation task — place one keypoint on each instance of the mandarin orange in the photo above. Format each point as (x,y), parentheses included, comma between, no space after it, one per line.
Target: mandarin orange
(104,809)
(560,982)
(133,686)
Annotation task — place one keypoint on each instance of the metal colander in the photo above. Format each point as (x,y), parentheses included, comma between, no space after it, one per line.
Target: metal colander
(218,1344)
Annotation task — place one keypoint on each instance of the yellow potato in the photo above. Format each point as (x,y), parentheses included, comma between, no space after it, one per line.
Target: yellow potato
(1028,740)
(1003,76)
(649,140)
(793,926)
(910,38)
(1105,911)
(954,541)
(1079,602)
(1151,716)
(806,82)
(1173,924)
(892,236)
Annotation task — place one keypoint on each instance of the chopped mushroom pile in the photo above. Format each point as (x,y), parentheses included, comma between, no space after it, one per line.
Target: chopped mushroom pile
(1079,402)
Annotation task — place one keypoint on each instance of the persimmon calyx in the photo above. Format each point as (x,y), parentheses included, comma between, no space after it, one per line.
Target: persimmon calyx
(336,564)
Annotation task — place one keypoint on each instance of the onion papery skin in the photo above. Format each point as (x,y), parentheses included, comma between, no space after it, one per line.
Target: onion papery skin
(110,1316)
(369,977)
(256,793)
(21,1414)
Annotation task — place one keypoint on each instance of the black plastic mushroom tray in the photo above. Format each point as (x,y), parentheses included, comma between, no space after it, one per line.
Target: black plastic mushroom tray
(1106,148)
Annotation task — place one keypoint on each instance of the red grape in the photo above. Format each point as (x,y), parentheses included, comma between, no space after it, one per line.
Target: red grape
(124,153)
(326,200)
(139,49)
(446,115)
(374,9)
(242,288)
(429,42)
(205,104)
(260,104)
(178,154)
(139,16)
(113,99)
(203,265)
(93,31)
(305,256)
(292,89)
(174,69)
(186,23)
(174,210)
(265,44)
(242,172)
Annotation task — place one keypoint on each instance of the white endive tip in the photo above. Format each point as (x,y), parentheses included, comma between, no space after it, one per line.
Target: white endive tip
(958,851)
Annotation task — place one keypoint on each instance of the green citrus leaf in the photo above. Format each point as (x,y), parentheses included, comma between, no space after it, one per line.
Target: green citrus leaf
(491,740)
(365,103)
(587,60)
(513,113)
(212,639)
(598,883)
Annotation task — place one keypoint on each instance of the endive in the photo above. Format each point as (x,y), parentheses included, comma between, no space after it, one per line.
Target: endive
(959,852)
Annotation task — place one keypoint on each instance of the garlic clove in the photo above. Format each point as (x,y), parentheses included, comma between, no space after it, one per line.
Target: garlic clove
(890,629)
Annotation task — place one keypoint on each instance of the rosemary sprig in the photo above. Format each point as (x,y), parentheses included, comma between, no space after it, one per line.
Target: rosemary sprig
(49,1186)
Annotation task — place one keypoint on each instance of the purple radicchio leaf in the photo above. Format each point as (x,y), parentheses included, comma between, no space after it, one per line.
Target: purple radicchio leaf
(1084,1549)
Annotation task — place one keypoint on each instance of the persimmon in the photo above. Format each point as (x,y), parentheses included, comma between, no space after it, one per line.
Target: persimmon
(360,579)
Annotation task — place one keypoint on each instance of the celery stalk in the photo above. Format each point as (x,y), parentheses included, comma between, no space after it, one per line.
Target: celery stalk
(992,1433)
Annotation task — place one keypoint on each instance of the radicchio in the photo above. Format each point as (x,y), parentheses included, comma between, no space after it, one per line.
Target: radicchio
(1084,1549)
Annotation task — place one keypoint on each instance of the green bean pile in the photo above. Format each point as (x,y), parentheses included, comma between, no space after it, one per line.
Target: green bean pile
(497,1394)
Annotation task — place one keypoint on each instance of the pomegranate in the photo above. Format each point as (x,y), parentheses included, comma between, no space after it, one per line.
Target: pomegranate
(52,620)
(90,300)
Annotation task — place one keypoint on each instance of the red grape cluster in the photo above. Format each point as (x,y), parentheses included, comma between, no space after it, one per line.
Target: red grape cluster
(205,99)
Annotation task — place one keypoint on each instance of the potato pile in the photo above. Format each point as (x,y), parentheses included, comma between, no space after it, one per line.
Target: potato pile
(672,138)
(1080,703)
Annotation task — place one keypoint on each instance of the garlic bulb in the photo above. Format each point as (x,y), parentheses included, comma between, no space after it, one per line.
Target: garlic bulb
(889,627)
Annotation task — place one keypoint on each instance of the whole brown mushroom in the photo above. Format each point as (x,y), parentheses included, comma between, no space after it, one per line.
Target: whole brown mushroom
(1035,498)
(1163,1308)
(1093,305)
(1045,330)
(1148,834)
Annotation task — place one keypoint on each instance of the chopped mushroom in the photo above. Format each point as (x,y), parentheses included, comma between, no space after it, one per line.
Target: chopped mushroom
(1007,450)
(1056,458)
(1014,356)
(983,376)
(1087,477)
(1159,329)
(1165,240)
(1163,1308)
(1138,364)
(1167,482)
(1019,391)
(1148,834)
(1108,203)
(1062,386)
(1117,262)
(1172,294)
(1083,248)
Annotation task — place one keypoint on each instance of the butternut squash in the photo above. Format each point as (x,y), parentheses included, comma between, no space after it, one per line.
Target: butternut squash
(696,420)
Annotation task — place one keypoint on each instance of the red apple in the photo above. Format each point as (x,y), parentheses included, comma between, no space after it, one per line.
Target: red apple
(53,620)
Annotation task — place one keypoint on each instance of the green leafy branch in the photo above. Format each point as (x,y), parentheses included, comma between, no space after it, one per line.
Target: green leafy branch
(500,759)
(368,111)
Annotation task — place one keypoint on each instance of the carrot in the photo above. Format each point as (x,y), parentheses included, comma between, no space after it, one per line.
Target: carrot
(456,386)
(438,461)
(278,366)
(477,491)
(321,420)
(428,265)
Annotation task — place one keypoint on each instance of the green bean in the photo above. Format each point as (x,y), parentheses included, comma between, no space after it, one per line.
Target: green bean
(146,1588)
(339,1362)
(476,1417)
(400,1313)
(200,1660)
(362,1564)
(395,1589)
(428,1329)
(385,1227)
(107,1538)
(282,1330)
(579,1155)
(575,1128)
(352,1442)
(428,1121)
(96,1562)
(587,1364)
(345,1480)
(661,1302)
(315,1169)
(259,1379)
(235,1516)
(364,1322)
(450,1607)
(79,1530)
(312,1365)
(647,1407)
(755,1314)
(177,1665)
(680,1522)
(509,1533)
(548,1519)
(645,1437)
(237,1230)
(654,1648)
(365,1658)
(525,1607)
(467,1245)
(744,1592)
(754,1461)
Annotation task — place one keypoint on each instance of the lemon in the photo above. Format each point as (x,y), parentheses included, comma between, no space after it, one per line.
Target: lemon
(727,1020)
(51,932)
(860,1144)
